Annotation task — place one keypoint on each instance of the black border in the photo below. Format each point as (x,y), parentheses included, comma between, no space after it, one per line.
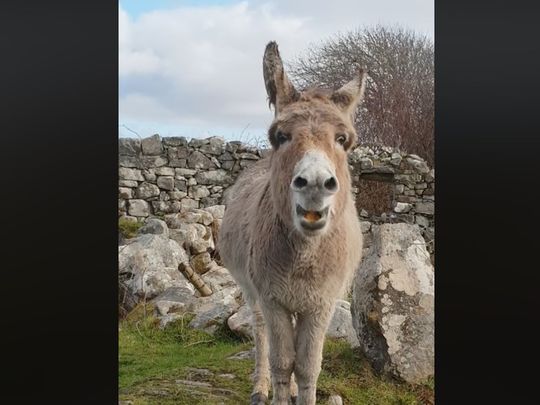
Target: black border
(487,138)
(59,75)
(59,79)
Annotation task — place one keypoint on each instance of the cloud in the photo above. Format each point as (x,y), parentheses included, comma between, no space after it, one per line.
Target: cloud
(201,66)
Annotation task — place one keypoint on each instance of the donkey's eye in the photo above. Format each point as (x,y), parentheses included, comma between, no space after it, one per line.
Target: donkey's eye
(281,138)
(341,139)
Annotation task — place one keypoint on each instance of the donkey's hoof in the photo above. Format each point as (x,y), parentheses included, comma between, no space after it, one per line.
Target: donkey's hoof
(258,399)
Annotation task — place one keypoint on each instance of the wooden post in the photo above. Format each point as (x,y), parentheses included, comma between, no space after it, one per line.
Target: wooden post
(195,279)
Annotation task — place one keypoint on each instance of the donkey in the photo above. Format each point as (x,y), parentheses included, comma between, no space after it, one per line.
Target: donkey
(290,236)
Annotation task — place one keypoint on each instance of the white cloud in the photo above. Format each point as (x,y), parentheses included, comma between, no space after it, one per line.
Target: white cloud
(201,66)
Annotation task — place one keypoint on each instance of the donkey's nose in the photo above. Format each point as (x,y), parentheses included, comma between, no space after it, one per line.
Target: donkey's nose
(299,182)
(331,184)
(315,179)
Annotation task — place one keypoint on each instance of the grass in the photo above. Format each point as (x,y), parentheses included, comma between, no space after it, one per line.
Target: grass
(164,367)
(128,228)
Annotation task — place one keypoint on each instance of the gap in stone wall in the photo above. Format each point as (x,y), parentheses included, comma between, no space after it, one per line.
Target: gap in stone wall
(376,197)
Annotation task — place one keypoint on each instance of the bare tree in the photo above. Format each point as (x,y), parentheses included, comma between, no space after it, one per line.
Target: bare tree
(398,109)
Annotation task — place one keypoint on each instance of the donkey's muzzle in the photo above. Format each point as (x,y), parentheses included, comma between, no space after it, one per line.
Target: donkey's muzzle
(312,220)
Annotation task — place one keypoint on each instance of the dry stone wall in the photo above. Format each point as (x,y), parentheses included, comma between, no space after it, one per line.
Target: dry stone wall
(159,176)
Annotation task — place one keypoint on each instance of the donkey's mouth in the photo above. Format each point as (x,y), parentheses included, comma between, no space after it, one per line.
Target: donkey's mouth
(310,219)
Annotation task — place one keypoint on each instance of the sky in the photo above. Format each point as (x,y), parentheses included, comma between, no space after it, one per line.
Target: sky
(194,68)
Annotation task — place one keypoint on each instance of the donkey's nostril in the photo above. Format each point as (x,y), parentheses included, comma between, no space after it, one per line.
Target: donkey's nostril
(299,182)
(330,184)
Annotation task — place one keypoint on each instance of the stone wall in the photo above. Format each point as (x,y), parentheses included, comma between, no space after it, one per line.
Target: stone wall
(159,176)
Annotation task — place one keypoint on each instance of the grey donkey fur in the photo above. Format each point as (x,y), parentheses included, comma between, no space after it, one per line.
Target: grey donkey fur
(290,275)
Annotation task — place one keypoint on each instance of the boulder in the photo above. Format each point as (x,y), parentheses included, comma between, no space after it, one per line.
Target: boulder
(218,278)
(393,303)
(149,265)
(341,326)
(154,226)
(175,300)
(213,311)
(240,322)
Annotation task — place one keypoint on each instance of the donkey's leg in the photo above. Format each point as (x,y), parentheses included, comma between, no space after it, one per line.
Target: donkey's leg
(311,329)
(294,389)
(281,339)
(262,365)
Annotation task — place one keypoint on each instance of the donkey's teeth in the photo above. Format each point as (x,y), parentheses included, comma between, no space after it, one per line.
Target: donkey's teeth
(312,216)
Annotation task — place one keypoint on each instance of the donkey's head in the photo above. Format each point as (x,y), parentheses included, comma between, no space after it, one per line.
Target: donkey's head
(311,134)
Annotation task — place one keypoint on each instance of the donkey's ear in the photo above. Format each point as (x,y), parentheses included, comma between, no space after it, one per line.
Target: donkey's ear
(351,94)
(278,86)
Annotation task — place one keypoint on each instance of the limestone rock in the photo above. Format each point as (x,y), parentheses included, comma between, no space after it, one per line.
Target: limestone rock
(149,175)
(422,221)
(125,173)
(393,303)
(175,300)
(197,160)
(138,208)
(152,145)
(426,207)
(213,147)
(129,146)
(198,192)
(218,278)
(341,326)
(164,171)
(127,183)
(201,262)
(217,211)
(215,310)
(213,177)
(166,182)
(366,163)
(154,161)
(154,226)
(402,207)
(240,322)
(177,195)
(125,192)
(175,141)
(182,173)
(149,265)
(147,190)
(335,400)
(188,204)
(199,216)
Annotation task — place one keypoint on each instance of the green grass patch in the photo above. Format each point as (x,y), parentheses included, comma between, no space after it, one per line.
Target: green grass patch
(179,365)
(128,228)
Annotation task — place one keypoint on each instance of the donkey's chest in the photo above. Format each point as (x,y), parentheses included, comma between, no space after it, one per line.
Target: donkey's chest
(306,284)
